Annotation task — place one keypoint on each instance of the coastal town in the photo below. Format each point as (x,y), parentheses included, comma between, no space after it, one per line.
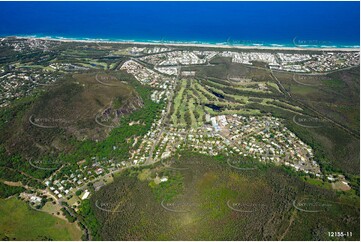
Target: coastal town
(18,79)
(180,121)
(249,135)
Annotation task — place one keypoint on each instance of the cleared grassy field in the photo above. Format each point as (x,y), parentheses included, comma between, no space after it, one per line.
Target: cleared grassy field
(19,222)
(177,101)
(191,109)
(197,97)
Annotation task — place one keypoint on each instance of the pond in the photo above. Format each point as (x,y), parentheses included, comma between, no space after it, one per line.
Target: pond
(214,107)
(218,95)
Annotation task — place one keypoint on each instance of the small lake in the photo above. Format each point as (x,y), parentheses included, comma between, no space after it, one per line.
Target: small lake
(214,107)
(218,95)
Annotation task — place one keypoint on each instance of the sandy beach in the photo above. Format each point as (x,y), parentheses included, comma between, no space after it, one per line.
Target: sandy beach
(201,45)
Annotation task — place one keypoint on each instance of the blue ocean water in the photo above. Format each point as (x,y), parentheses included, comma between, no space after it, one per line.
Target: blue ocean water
(235,23)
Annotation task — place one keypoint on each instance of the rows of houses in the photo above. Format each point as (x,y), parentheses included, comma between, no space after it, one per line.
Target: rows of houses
(175,58)
(292,62)
(262,138)
(67,181)
(15,85)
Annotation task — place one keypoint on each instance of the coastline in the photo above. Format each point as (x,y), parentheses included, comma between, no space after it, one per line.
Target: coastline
(192,44)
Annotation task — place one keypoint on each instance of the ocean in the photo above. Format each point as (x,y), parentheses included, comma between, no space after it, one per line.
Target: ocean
(307,24)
